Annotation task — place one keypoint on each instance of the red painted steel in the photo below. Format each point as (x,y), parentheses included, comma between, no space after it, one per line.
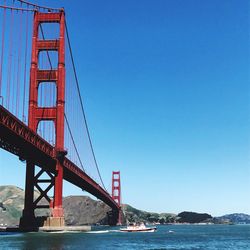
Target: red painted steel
(116,192)
(55,114)
(46,75)
(49,17)
(116,187)
(21,140)
(48,45)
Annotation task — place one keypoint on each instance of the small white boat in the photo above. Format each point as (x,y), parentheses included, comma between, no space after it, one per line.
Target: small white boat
(138,228)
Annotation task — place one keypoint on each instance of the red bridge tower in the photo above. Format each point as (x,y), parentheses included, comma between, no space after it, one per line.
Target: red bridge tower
(55,114)
(116,192)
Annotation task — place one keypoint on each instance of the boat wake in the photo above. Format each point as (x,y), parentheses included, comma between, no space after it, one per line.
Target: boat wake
(98,232)
(102,231)
(59,232)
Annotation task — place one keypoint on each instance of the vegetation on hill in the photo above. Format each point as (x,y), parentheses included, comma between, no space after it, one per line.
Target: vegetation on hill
(11,205)
(134,215)
(191,217)
(11,202)
(237,218)
(82,210)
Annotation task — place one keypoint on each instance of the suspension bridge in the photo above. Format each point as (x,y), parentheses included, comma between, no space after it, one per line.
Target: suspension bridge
(42,118)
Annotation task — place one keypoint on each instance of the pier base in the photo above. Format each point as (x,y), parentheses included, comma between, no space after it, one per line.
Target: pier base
(65,229)
(57,224)
(48,229)
(33,224)
(54,222)
(28,223)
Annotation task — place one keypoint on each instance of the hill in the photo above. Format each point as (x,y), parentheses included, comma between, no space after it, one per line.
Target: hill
(82,210)
(135,215)
(236,218)
(191,217)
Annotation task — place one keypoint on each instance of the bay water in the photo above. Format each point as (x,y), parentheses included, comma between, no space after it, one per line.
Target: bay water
(186,237)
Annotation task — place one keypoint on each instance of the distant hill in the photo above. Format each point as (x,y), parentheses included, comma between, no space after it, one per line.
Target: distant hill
(191,217)
(134,215)
(237,218)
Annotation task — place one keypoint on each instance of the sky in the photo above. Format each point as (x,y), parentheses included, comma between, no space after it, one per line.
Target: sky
(165,86)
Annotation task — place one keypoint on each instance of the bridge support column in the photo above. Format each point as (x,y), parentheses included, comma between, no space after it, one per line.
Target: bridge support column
(57,216)
(57,210)
(113,217)
(28,221)
(120,215)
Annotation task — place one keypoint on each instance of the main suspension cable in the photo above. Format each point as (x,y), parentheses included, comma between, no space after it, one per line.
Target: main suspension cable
(25,65)
(71,135)
(81,103)
(15,8)
(39,6)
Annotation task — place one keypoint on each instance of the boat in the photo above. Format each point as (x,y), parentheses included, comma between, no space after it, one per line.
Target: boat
(138,228)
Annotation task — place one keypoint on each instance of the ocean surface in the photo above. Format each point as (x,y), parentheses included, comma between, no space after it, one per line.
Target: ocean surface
(186,237)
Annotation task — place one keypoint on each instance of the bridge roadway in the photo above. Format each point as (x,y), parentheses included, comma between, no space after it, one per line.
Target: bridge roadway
(17,138)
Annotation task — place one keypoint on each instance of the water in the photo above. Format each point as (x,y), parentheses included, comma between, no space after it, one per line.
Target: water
(185,237)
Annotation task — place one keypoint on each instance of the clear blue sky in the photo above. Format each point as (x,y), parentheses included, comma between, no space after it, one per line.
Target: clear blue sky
(166,91)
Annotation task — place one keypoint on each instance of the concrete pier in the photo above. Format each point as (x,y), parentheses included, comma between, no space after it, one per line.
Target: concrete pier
(50,229)
(65,229)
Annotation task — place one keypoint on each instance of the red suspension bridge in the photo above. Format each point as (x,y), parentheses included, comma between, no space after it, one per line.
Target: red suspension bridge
(42,118)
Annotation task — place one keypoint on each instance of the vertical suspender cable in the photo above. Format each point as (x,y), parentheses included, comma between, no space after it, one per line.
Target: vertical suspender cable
(13,90)
(81,104)
(19,64)
(73,142)
(25,65)
(8,97)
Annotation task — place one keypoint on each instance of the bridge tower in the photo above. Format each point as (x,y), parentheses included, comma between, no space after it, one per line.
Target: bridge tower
(116,192)
(55,114)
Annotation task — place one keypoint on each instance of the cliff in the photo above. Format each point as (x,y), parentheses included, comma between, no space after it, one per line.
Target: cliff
(237,218)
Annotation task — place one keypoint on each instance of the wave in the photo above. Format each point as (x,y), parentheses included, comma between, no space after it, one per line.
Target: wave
(102,231)
(98,232)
